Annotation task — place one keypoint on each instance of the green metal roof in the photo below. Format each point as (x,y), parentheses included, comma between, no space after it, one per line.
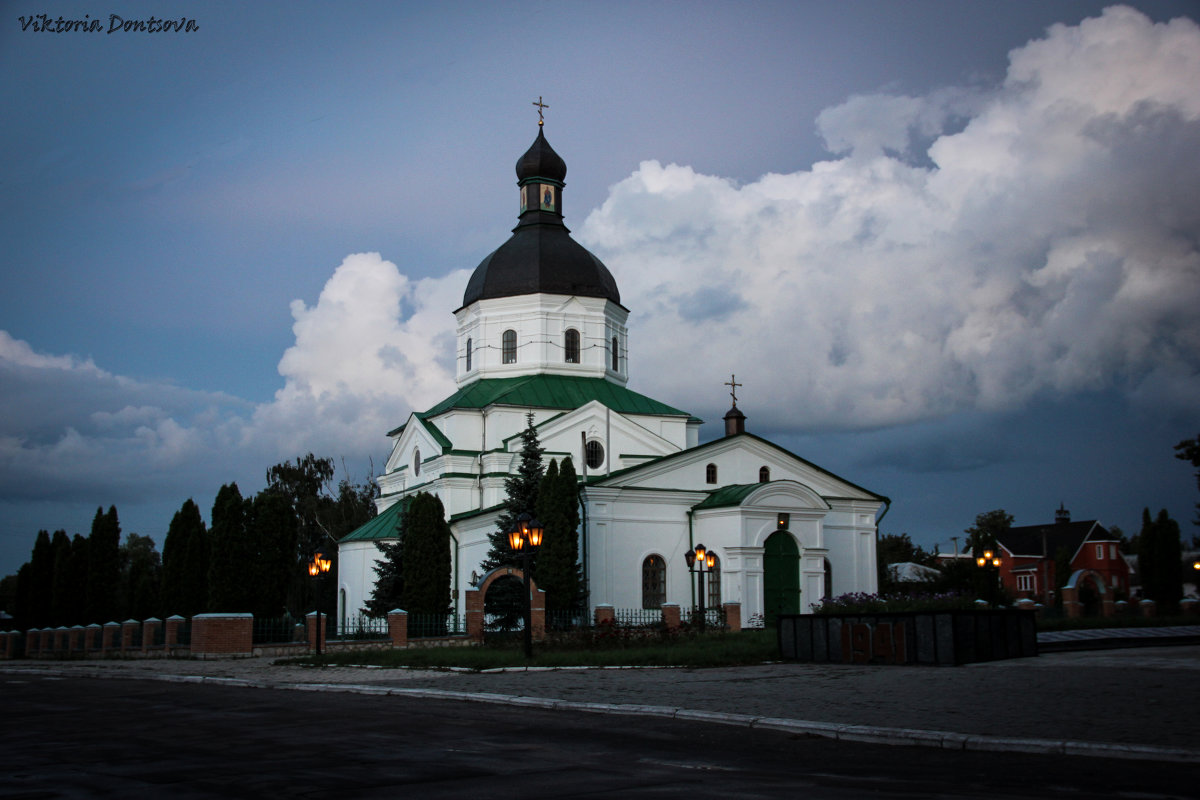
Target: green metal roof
(550,391)
(731,495)
(384,526)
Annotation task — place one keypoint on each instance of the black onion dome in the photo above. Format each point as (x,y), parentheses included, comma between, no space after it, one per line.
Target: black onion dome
(541,256)
(540,161)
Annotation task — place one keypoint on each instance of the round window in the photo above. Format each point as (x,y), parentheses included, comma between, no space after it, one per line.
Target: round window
(595,454)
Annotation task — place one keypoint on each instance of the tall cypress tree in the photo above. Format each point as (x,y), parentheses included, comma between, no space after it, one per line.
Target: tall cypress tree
(426,564)
(194,596)
(63,594)
(174,558)
(1160,560)
(558,561)
(104,567)
(273,528)
(41,581)
(231,563)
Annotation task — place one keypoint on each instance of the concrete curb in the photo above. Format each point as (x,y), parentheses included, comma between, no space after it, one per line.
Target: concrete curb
(871,734)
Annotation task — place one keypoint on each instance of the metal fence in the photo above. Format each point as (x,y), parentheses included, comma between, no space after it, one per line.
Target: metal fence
(359,627)
(568,620)
(425,626)
(279,630)
(638,617)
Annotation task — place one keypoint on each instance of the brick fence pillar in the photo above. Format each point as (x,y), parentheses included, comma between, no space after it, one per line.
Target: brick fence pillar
(474,606)
(129,631)
(110,637)
(605,614)
(61,642)
(222,635)
(91,638)
(537,614)
(1148,608)
(33,643)
(1189,606)
(77,639)
(150,629)
(318,627)
(398,627)
(5,645)
(171,631)
(670,615)
(1070,601)
(733,617)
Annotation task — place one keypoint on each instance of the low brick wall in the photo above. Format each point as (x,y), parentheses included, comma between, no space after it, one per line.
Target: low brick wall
(222,635)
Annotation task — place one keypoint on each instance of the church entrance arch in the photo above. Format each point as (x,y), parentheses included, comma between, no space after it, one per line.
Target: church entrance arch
(781,576)
(492,587)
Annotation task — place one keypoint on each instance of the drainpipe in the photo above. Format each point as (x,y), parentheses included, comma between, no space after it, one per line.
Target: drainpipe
(887,506)
(691,545)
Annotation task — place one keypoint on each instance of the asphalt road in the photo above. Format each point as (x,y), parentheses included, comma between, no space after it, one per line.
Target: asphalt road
(84,737)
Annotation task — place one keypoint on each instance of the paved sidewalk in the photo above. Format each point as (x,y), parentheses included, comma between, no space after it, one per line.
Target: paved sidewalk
(1116,703)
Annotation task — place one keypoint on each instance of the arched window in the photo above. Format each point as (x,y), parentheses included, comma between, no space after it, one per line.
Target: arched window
(416,462)
(764,474)
(616,356)
(571,345)
(712,594)
(509,347)
(654,582)
(593,454)
(710,473)
(468,369)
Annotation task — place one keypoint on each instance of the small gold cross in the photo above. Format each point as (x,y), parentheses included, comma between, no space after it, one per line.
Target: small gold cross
(540,106)
(733,384)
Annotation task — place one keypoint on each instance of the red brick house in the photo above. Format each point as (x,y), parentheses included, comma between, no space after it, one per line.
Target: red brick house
(1099,572)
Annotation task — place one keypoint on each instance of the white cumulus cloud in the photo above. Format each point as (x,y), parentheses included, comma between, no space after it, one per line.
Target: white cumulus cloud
(1042,242)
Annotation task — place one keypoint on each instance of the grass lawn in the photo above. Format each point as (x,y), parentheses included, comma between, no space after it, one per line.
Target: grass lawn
(709,650)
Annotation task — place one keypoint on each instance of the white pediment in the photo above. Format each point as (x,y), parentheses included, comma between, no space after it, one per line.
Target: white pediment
(415,437)
(620,436)
(738,460)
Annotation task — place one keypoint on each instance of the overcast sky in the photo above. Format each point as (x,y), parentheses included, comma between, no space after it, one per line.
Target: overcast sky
(951,249)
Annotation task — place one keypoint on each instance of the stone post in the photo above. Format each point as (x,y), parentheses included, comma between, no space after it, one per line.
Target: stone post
(150,633)
(733,617)
(91,638)
(1148,608)
(1071,604)
(537,614)
(171,631)
(110,637)
(605,614)
(670,615)
(312,618)
(61,643)
(1189,606)
(474,608)
(398,627)
(77,639)
(129,629)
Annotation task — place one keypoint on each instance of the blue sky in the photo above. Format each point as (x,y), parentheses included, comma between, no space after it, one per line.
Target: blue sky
(949,248)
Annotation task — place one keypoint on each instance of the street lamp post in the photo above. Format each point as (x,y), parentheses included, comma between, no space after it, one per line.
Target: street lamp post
(989,560)
(524,539)
(697,559)
(316,568)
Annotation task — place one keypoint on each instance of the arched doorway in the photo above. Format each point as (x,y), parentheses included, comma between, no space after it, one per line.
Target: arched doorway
(781,576)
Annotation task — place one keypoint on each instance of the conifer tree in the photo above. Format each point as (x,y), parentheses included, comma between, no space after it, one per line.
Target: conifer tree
(194,596)
(504,602)
(63,594)
(104,567)
(41,581)
(175,560)
(558,561)
(273,528)
(141,573)
(1160,560)
(426,563)
(232,556)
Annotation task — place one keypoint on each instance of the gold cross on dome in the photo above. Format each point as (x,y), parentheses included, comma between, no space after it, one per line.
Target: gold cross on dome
(540,106)
(733,385)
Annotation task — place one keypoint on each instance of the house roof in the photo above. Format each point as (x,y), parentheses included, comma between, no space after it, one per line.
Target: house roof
(549,391)
(385,525)
(736,492)
(1027,539)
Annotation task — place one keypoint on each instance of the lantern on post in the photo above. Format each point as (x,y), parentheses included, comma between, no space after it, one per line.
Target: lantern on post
(524,539)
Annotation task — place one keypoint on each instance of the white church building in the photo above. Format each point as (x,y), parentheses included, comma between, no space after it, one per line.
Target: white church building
(542,330)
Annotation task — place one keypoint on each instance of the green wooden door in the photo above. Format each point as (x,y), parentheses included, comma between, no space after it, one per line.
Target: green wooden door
(781,576)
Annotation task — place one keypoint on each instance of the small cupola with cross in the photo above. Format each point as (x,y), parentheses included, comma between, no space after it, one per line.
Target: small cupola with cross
(735,420)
